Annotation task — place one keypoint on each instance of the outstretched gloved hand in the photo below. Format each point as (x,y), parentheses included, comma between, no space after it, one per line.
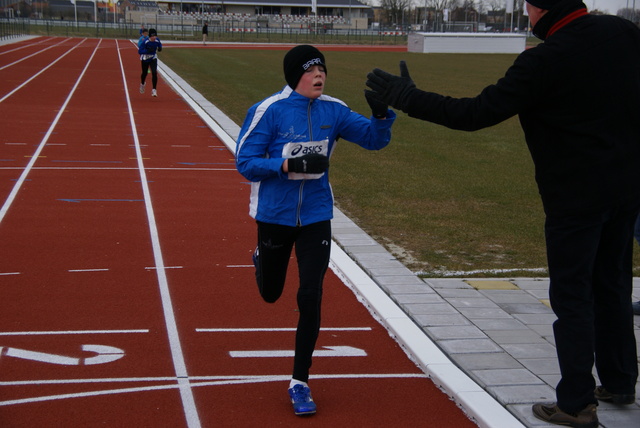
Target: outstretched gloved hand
(393,90)
(378,107)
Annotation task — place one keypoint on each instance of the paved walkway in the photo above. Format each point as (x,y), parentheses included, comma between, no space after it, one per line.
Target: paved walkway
(487,343)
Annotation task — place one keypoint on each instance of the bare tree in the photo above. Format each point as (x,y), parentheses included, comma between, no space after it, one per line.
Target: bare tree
(496,5)
(395,10)
(632,15)
(440,5)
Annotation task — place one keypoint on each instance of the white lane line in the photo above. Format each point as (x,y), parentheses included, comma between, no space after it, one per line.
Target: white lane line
(87,270)
(188,402)
(328,351)
(163,267)
(207,381)
(43,70)
(63,332)
(9,273)
(87,381)
(34,158)
(253,330)
(24,46)
(200,379)
(33,54)
(89,168)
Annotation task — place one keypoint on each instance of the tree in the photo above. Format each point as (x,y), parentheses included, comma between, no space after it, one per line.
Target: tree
(394,10)
(632,15)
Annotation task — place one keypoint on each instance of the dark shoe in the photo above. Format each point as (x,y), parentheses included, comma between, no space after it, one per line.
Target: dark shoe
(636,307)
(550,412)
(604,395)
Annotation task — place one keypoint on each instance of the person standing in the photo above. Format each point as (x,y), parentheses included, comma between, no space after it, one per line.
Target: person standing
(284,148)
(577,95)
(148,49)
(205,33)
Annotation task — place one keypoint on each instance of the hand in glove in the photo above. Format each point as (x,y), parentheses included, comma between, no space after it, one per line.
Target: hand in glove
(393,90)
(378,107)
(313,163)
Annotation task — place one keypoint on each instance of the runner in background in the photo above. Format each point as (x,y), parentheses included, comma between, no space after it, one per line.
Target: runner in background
(144,35)
(148,51)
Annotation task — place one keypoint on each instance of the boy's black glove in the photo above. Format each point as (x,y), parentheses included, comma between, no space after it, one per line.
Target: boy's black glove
(378,107)
(393,90)
(313,163)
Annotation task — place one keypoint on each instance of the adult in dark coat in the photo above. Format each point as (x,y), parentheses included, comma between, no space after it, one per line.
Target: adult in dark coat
(577,96)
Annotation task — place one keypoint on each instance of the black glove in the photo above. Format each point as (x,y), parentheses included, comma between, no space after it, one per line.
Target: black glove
(378,107)
(393,90)
(313,163)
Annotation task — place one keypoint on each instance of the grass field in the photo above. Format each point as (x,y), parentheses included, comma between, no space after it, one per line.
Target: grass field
(447,203)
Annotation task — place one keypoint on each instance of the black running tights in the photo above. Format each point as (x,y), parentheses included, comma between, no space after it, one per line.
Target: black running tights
(154,71)
(313,247)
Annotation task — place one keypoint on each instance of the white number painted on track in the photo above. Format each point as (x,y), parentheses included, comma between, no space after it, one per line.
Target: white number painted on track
(105,354)
(329,351)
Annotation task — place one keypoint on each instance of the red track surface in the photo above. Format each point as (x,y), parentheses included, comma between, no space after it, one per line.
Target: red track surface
(126,226)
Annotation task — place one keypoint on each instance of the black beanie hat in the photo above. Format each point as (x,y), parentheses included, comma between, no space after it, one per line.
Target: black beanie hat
(298,60)
(543,4)
(153,32)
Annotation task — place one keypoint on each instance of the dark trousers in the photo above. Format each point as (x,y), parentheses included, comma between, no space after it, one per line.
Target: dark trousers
(154,72)
(313,247)
(590,268)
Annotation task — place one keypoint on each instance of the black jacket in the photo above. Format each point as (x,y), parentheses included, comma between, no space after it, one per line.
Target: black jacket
(578,99)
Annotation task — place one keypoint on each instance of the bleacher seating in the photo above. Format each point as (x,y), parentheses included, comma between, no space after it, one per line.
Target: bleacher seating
(278,19)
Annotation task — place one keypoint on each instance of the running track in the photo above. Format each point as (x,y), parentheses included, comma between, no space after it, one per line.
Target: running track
(127,295)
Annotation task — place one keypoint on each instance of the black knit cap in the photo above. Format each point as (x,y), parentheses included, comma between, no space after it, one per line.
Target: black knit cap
(152,32)
(298,60)
(543,4)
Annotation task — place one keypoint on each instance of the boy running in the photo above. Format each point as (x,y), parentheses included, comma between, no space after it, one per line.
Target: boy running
(148,50)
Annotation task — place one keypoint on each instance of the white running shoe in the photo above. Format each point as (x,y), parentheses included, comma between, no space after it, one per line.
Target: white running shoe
(142,88)
(154,93)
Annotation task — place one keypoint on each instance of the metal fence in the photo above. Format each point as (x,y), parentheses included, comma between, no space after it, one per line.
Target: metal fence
(176,30)
(10,28)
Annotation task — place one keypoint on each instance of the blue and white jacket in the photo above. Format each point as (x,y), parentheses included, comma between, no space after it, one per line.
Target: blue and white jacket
(148,49)
(286,125)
